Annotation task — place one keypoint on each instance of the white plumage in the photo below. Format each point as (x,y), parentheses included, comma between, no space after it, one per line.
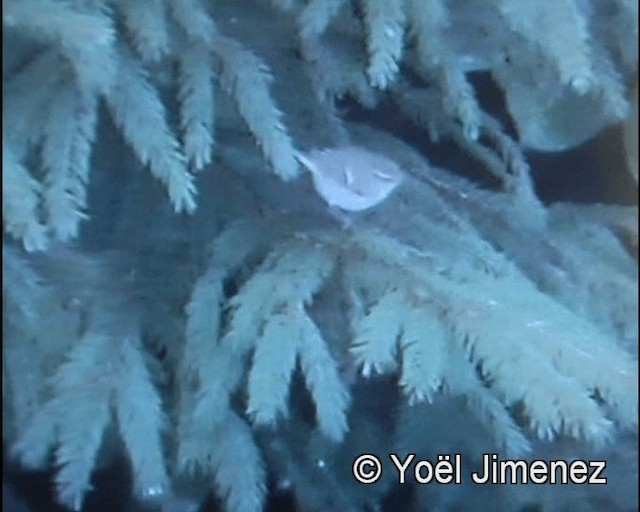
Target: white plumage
(351,178)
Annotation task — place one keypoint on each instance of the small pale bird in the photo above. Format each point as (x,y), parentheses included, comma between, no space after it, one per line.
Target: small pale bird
(351,178)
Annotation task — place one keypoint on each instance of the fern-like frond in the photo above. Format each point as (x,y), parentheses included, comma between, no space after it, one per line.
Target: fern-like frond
(385,22)
(197,104)
(247,79)
(376,334)
(141,420)
(146,21)
(138,111)
(193,18)
(329,393)
(561,30)
(239,470)
(274,361)
(85,38)
(424,345)
(83,381)
(269,317)
(532,350)
(20,201)
(66,155)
